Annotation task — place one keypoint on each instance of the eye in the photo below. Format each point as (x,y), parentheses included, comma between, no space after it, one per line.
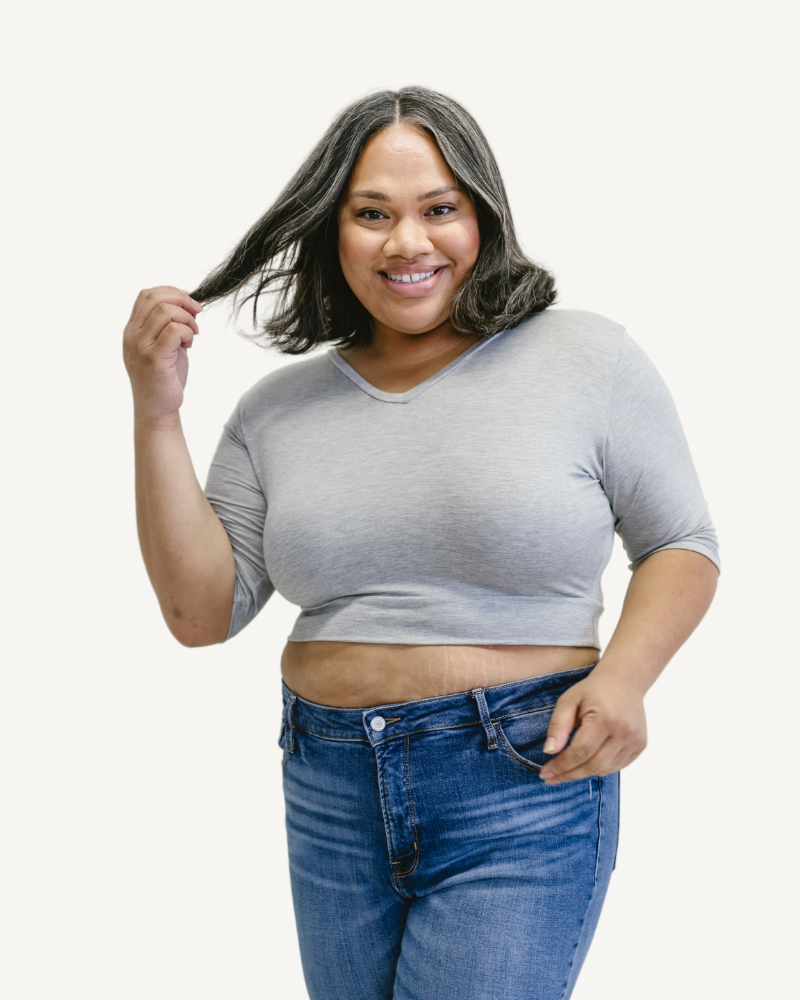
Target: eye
(371,215)
(441,210)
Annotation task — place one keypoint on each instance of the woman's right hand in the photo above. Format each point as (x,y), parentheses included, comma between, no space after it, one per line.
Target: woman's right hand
(160,330)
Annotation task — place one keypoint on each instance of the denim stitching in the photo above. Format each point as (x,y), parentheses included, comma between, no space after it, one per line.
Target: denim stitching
(408,787)
(288,735)
(413,868)
(334,739)
(524,711)
(398,875)
(417,732)
(486,721)
(599,825)
(591,895)
(385,806)
(518,758)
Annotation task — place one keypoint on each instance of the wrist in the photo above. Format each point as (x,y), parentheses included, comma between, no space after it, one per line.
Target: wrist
(149,422)
(628,673)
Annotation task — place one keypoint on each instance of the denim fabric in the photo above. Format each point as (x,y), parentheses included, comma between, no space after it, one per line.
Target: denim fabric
(427,857)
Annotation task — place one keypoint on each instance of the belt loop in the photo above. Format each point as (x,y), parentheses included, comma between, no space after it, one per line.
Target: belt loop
(288,743)
(483,708)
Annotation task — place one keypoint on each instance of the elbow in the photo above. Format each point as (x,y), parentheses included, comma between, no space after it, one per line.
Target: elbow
(193,640)
(195,631)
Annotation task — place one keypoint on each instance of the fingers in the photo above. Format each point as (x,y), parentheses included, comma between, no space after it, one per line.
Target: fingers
(161,316)
(562,722)
(149,298)
(611,730)
(598,749)
(591,736)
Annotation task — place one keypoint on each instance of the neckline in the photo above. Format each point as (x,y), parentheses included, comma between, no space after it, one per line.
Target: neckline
(405,397)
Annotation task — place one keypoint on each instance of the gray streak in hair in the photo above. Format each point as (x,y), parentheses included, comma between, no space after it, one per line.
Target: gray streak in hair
(292,250)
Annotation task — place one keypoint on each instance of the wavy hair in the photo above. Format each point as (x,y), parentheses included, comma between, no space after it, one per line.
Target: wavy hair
(292,250)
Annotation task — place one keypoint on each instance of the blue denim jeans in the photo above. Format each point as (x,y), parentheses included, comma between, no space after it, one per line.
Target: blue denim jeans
(428,859)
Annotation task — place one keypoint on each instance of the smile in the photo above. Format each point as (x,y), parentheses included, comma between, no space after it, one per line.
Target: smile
(411,279)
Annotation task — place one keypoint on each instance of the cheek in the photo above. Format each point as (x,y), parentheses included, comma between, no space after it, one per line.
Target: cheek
(465,244)
(346,255)
(356,253)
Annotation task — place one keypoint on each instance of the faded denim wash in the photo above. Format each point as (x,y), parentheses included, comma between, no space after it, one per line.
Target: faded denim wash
(429,860)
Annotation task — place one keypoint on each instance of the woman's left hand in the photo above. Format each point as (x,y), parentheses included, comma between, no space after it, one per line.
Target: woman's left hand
(611,728)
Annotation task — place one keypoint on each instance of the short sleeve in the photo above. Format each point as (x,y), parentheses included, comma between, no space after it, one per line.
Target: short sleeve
(648,473)
(234,492)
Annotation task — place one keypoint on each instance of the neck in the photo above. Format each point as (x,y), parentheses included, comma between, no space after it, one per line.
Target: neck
(403,351)
(396,361)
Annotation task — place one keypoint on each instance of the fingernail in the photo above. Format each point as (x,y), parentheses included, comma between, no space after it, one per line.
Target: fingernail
(549,744)
(198,304)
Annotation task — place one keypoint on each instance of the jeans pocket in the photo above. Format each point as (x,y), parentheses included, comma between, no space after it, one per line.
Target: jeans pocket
(522,737)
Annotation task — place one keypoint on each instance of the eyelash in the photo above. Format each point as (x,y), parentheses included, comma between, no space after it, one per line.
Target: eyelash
(365,213)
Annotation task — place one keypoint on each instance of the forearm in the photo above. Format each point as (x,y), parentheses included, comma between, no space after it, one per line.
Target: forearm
(185,547)
(667,597)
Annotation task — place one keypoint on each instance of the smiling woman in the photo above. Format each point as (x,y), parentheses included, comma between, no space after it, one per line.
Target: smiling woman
(438,492)
(405,253)
(292,248)
(396,235)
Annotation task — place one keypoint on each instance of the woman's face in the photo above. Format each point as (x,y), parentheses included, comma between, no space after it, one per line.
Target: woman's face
(407,235)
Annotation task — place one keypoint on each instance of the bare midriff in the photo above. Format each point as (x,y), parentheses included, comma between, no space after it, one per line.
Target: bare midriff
(365,674)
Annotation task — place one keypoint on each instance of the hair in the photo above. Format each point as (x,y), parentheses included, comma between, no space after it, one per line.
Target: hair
(292,250)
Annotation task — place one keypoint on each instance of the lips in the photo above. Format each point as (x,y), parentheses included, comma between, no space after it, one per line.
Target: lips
(410,278)
(412,283)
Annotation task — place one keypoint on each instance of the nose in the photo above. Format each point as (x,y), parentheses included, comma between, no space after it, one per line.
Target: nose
(407,239)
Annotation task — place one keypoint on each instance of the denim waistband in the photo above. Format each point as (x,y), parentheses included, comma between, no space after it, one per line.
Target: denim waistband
(386,722)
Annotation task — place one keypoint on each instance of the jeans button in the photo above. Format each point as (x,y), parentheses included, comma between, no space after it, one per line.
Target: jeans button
(378,723)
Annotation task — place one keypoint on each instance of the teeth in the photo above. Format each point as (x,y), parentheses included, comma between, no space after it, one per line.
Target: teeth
(410,278)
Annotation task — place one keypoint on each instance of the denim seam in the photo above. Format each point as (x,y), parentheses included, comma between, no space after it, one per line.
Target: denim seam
(417,732)
(485,717)
(599,825)
(334,739)
(385,807)
(578,939)
(413,868)
(591,894)
(524,711)
(408,787)
(516,757)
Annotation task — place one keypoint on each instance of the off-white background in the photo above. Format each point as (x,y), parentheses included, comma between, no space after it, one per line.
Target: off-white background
(650,159)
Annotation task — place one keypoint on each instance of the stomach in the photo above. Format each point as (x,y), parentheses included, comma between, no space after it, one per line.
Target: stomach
(366,674)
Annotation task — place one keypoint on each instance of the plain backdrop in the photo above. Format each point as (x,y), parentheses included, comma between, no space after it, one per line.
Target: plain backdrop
(649,153)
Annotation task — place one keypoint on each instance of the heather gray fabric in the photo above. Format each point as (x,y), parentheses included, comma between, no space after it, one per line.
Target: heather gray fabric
(477,508)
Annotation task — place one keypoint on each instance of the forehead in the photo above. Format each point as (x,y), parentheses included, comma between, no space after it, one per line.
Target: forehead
(401,153)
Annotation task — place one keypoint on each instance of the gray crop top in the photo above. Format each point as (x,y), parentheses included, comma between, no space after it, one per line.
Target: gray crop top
(479,507)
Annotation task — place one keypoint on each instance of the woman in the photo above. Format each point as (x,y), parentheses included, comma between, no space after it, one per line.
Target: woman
(438,491)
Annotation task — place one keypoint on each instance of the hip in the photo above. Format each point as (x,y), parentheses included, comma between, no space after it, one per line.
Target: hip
(451,784)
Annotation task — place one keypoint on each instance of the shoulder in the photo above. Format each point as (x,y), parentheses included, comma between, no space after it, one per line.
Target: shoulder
(569,341)
(289,387)
(572,328)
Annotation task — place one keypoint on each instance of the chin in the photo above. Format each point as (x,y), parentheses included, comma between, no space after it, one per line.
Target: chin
(419,324)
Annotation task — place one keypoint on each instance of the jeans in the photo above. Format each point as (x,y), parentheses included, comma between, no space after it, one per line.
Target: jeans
(429,861)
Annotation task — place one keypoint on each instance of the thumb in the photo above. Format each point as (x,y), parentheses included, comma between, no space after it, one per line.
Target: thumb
(562,722)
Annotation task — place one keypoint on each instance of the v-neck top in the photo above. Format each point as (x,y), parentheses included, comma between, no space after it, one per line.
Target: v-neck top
(409,394)
(481,511)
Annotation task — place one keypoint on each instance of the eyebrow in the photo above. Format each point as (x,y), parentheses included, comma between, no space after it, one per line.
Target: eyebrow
(380,196)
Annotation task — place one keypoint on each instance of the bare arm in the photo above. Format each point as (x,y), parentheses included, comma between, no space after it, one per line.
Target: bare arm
(668,595)
(185,547)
